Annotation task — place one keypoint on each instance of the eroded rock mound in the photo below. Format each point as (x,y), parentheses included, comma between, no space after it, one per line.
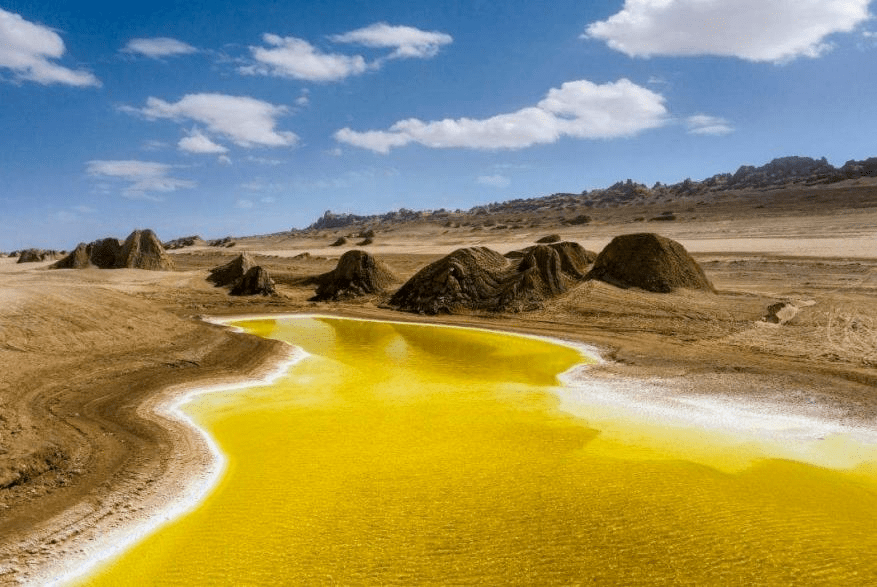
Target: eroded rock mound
(357,273)
(479,278)
(575,259)
(185,241)
(105,253)
(549,238)
(255,281)
(340,242)
(143,250)
(36,255)
(231,272)
(650,262)
(78,259)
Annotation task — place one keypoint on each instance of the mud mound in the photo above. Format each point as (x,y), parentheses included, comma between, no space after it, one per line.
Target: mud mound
(105,253)
(575,259)
(479,278)
(78,259)
(255,281)
(185,241)
(551,238)
(143,250)
(357,273)
(36,255)
(340,242)
(231,272)
(650,262)
(365,242)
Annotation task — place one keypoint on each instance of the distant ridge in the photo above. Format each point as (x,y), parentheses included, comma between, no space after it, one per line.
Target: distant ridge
(781,172)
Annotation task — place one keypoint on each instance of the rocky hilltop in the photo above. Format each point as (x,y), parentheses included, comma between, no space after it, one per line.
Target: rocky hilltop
(779,173)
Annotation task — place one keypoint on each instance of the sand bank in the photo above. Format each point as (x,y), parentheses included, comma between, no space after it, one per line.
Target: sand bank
(196,468)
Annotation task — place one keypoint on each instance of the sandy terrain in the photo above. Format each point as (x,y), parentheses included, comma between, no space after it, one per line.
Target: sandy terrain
(88,356)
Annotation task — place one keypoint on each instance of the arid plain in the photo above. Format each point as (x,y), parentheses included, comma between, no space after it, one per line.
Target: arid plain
(86,354)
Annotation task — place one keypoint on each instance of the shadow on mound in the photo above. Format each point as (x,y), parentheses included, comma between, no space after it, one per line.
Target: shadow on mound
(479,278)
(244,276)
(650,262)
(358,273)
(141,250)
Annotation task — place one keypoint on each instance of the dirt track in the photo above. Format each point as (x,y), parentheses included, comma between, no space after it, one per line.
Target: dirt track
(81,350)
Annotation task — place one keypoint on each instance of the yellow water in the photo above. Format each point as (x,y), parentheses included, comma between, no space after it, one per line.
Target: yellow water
(407,454)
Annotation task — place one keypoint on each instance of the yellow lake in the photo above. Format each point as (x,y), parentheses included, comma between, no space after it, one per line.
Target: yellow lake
(409,454)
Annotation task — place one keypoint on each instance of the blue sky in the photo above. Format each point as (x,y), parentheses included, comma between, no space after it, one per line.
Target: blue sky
(246,118)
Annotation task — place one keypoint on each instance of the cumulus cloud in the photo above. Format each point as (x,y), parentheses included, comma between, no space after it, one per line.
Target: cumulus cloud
(296,58)
(158,47)
(579,109)
(497,181)
(703,124)
(143,177)
(28,50)
(753,30)
(245,121)
(407,41)
(198,142)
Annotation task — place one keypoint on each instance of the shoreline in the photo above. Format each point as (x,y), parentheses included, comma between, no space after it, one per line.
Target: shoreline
(185,489)
(196,484)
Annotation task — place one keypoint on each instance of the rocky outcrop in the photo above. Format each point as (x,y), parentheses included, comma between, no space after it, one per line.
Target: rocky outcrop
(650,262)
(358,273)
(141,250)
(550,238)
(36,255)
(255,281)
(185,241)
(78,259)
(340,242)
(232,272)
(479,278)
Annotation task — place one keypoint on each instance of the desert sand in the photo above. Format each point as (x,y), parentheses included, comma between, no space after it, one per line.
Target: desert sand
(92,358)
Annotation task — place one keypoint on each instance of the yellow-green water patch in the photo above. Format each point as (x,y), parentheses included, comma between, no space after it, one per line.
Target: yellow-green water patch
(408,454)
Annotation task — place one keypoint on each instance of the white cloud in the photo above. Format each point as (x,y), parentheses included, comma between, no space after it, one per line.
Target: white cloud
(153,145)
(198,142)
(703,124)
(753,30)
(244,204)
(159,47)
(224,160)
(408,41)
(296,58)
(28,50)
(143,177)
(579,109)
(246,121)
(497,181)
(268,200)
(264,160)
